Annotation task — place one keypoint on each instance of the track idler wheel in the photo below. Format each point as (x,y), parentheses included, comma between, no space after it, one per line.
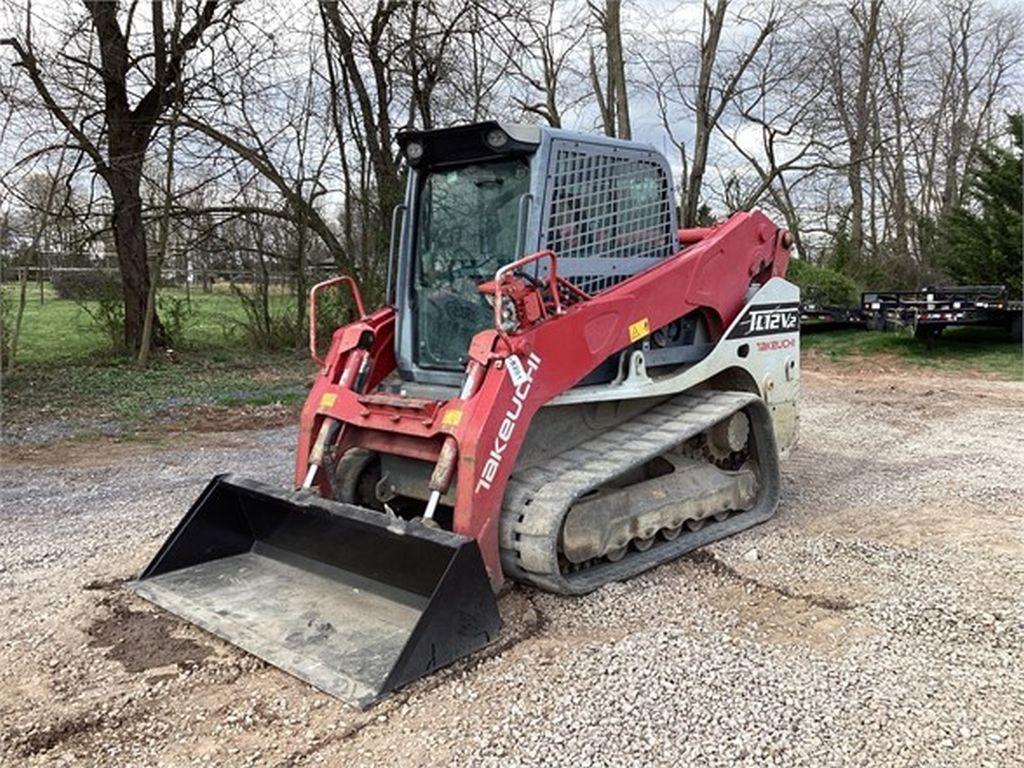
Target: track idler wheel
(642,545)
(671,534)
(614,555)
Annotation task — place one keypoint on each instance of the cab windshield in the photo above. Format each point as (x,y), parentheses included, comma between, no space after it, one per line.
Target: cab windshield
(466,229)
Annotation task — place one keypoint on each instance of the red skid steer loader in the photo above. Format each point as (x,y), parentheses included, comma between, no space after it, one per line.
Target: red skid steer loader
(563,389)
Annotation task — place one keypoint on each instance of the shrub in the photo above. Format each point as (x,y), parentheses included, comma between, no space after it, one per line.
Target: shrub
(271,323)
(98,293)
(334,308)
(267,324)
(175,313)
(86,284)
(822,284)
(108,315)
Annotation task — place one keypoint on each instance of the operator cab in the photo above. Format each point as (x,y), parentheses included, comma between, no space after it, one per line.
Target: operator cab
(481,196)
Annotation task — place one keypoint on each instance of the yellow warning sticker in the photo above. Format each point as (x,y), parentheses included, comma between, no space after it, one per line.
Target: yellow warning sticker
(451,418)
(327,400)
(639,329)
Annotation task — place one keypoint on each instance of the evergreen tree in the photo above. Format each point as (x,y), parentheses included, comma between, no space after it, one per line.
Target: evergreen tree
(983,236)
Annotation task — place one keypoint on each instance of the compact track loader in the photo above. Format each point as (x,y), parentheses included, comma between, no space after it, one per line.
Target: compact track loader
(563,389)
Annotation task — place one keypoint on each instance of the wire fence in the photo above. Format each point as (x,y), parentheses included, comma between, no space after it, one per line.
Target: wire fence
(192,278)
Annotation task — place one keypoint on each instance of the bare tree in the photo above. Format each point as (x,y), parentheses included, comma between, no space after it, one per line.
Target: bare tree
(541,39)
(479,77)
(912,91)
(857,121)
(612,96)
(435,29)
(364,50)
(116,143)
(274,128)
(703,86)
(774,104)
(850,99)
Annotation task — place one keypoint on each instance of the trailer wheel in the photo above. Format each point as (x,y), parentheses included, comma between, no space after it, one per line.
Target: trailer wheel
(1015,326)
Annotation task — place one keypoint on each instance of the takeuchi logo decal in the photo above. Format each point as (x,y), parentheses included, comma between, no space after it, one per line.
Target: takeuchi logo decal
(766,319)
(524,383)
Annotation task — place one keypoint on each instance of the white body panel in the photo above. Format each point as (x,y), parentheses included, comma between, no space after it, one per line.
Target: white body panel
(769,354)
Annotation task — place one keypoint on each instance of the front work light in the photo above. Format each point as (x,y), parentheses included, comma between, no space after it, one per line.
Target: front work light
(496,138)
(414,151)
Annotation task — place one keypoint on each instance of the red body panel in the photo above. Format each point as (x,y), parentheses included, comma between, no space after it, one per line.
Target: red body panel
(489,426)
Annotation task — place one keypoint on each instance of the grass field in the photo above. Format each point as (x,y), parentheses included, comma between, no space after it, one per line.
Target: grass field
(957,350)
(67,370)
(59,330)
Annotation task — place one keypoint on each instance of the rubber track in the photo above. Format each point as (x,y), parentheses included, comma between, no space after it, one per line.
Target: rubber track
(537,500)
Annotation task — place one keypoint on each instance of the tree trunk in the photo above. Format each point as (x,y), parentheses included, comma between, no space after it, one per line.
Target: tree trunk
(856,214)
(130,244)
(149,311)
(13,349)
(861,120)
(605,106)
(301,298)
(617,68)
(697,168)
(714,20)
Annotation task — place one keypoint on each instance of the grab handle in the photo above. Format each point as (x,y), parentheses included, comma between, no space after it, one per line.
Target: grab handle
(356,298)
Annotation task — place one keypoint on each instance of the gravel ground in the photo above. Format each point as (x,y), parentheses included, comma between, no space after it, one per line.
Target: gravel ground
(876,620)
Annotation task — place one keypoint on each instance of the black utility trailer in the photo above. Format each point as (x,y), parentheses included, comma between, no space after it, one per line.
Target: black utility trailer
(930,310)
(818,315)
(818,318)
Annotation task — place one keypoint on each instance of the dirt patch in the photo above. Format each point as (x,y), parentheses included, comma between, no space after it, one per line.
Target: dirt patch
(230,418)
(790,622)
(888,364)
(140,640)
(60,732)
(963,528)
(907,383)
(707,559)
(105,585)
(213,432)
(782,615)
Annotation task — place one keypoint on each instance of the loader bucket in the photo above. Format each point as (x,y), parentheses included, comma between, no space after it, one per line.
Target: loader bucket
(355,602)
